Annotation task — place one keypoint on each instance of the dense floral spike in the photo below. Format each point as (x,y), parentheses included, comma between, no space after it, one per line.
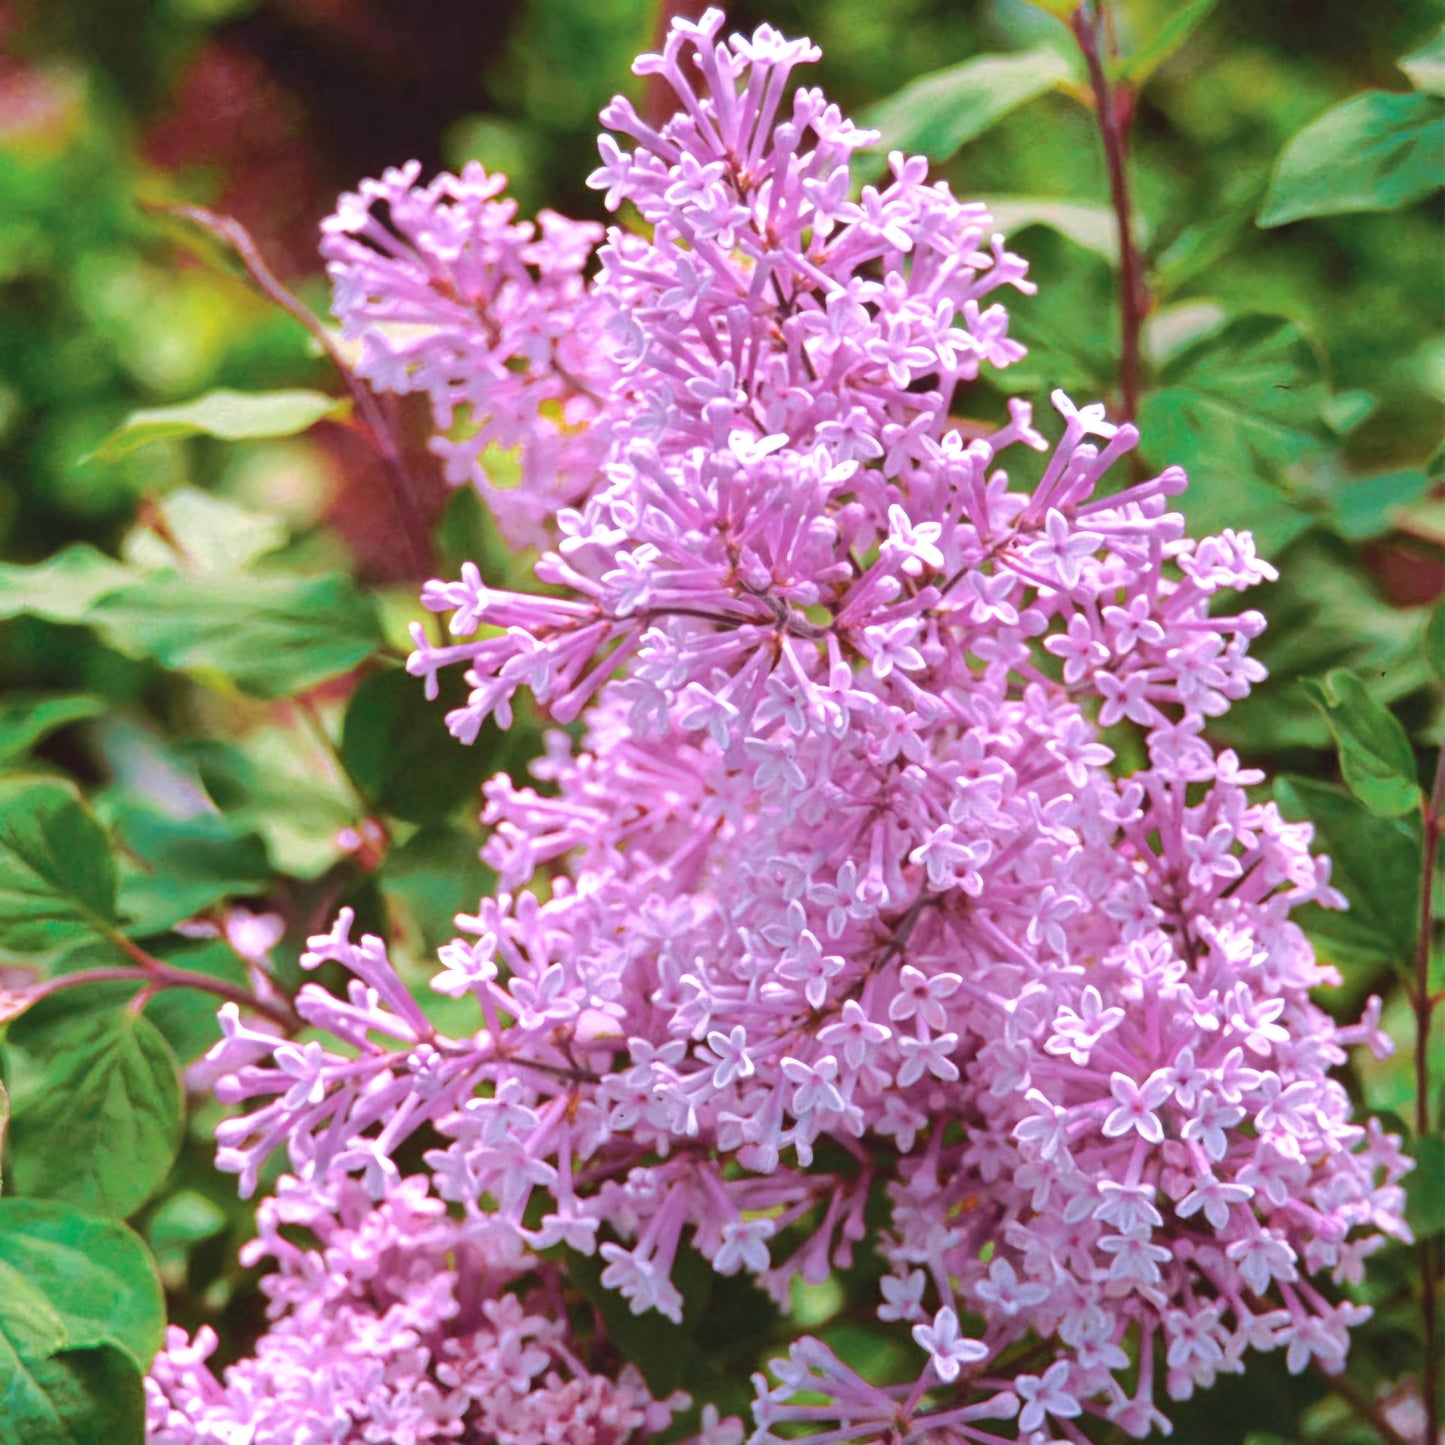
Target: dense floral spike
(844,897)
(398,1328)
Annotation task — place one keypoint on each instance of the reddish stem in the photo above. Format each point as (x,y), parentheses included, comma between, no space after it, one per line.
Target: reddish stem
(406,497)
(1432,817)
(1114,109)
(156,976)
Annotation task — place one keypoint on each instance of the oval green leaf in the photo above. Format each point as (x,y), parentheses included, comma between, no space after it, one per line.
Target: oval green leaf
(1376,760)
(1375,152)
(91,1396)
(57,872)
(96,1274)
(102,1080)
(1375,863)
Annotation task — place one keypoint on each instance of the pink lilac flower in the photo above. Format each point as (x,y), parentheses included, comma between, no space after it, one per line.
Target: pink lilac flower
(833,912)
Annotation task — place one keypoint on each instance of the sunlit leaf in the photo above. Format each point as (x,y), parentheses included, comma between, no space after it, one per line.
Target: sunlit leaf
(63,587)
(228,415)
(1374,152)
(938,113)
(1085,223)
(209,534)
(1426,66)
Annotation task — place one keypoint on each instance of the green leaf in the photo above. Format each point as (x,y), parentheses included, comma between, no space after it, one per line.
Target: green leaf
(1375,863)
(91,1396)
(1239,411)
(1376,759)
(55,1394)
(102,1079)
(208,534)
(25,718)
(938,113)
(95,1273)
(269,636)
(1435,642)
(231,416)
(426,882)
(1059,9)
(1136,69)
(179,866)
(1426,66)
(57,872)
(1363,507)
(186,1017)
(1377,151)
(1346,410)
(396,747)
(1425,1186)
(63,587)
(1087,224)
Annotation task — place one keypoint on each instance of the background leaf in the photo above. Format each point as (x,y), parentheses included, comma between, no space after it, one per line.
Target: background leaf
(63,587)
(26,719)
(936,114)
(270,636)
(210,534)
(1375,864)
(177,867)
(1136,69)
(1426,66)
(103,1080)
(396,747)
(1374,152)
(1238,410)
(91,1396)
(232,416)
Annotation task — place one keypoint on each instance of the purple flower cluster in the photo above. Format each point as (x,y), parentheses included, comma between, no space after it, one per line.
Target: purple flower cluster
(396,1327)
(836,901)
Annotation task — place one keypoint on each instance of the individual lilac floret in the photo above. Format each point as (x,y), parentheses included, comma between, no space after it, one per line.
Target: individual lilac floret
(839,908)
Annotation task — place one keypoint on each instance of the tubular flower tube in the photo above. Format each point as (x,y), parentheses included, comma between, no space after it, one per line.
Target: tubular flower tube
(843,905)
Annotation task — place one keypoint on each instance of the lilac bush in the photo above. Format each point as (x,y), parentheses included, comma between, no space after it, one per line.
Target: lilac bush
(836,903)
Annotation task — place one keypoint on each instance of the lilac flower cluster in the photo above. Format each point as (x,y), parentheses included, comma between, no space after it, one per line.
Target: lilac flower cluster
(395,1328)
(837,901)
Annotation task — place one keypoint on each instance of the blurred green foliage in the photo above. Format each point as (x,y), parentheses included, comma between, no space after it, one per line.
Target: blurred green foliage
(276,762)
